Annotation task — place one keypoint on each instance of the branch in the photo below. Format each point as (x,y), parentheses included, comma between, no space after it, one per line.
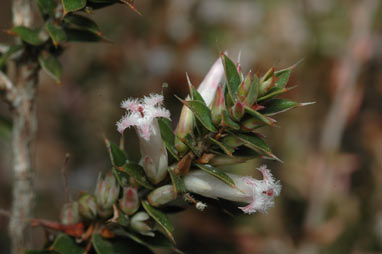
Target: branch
(8,88)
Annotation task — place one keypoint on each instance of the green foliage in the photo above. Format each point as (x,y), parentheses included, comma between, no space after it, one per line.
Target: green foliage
(137,172)
(202,113)
(118,157)
(233,77)
(168,136)
(83,23)
(56,32)
(64,244)
(29,35)
(51,66)
(177,182)
(73,5)
(160,218)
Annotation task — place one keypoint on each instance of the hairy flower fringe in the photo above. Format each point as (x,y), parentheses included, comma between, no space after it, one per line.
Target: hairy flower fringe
(141,113)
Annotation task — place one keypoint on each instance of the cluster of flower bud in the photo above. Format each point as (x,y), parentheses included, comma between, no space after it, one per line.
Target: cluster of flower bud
(217,125)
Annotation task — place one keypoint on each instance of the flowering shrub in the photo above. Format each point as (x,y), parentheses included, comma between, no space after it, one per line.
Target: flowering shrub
(219,124)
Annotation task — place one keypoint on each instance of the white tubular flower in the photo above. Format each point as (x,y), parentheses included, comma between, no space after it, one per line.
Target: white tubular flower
(142,114)
(258,193)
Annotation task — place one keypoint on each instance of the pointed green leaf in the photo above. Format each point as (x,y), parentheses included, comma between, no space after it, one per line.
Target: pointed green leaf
(202,113)
(189,141)
(79,35)
(160,218)
(56,32)
(137,172)
(216,173)
(118,156)
(40,252)
(259,116)
(73,5)
(123,219)
(228,122)
(46,7)
(283,77)
(158,241)
(276,106)
(253,92)
(11,50)
(29,35)
(257,144)
(122,177)
(168,136)
(51,66)
(177,182)
(102,246)
(117,246)
(233,77)
(82,22)
(64,244)
(228,150)
(274,92)
(232,141)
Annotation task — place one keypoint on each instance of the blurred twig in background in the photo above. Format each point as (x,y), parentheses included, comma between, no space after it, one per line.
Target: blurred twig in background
(344,79)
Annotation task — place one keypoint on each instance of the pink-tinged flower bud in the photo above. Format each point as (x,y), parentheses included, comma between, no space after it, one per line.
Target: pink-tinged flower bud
(162,195)
(217,106)
(70,214)
(258,193)
(107,191)
(88,206)
(244,87)
(143,114)
(210,83)
(143,224)
(267,82)
(185,126)
(207,90)
(129,203)
(237,111)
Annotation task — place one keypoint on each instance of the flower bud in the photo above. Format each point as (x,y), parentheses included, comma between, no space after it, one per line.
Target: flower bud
(107,191)
(207,90)
(267,82)
(162,195)
(129,203)
(237,111)
(70,214)
(142,223)
(244,87)
(258,193)
(88,206)
(217,106)
(210,83)
(143,114)
(185,126)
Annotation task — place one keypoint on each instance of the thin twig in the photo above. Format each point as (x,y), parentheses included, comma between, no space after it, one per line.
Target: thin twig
(65,176)
(7,86)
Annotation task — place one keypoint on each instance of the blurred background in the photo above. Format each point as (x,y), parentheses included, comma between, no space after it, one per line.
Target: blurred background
(332,151)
